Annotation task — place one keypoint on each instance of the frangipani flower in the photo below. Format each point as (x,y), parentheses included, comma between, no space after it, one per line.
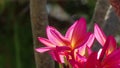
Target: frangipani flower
(75,37)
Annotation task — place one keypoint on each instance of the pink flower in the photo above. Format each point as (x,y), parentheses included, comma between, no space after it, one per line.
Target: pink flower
(101,38)
(78,57)
(75,37)
(108,55)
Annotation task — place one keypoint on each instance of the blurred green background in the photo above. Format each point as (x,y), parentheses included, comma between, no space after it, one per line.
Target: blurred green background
(16,46)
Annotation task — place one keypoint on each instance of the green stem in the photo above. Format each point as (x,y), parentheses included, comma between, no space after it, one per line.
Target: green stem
(67,64)
(17,46)
(60,65)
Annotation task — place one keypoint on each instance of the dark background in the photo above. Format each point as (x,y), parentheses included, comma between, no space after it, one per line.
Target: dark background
(16,46)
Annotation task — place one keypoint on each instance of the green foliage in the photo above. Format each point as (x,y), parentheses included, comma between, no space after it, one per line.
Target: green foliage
(16,36)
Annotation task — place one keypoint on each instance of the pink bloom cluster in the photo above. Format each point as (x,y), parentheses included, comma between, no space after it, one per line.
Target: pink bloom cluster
(76,47)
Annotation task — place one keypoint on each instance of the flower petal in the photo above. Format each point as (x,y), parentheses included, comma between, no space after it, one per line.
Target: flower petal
(55,37)
(88,51)
(109,47)
(46,42)
(79,32)
(92,61)
(99,53)
(80,57)
(82,50)
(43,49)
(112,60)
(85,41)
(90,40)
(62,48)
(99,34)
(70,31)
(56,56)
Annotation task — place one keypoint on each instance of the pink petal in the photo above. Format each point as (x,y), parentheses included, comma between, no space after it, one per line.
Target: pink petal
(62,58)
(82,50)
(99,34)
(81,58)
(112,45)
(85,41)
(99,53)
(57,57)
(88,51)
(90,40)
(46,42)
(109,47)
(92,61)
(74,63)
(79,32)
(70,31)
(55,37)
(113,60)
(43,49)
(62,48)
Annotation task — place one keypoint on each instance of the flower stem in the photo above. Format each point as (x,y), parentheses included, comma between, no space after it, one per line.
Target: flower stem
(61,65)
(17,46)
